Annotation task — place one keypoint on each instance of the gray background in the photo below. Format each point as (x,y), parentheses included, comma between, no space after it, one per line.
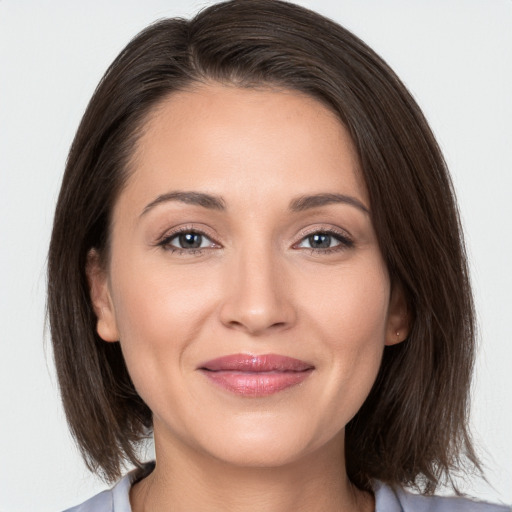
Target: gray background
(454,55)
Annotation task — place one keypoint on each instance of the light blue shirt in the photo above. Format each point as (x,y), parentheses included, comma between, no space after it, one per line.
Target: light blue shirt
(117,499)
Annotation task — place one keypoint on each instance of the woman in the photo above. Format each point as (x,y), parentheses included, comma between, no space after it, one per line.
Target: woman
(257,257)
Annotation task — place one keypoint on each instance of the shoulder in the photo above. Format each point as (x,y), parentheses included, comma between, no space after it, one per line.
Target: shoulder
(116,499)
(102,502)
(399,500)
(416,503)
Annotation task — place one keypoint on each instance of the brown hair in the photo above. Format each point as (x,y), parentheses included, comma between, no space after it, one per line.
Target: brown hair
(412,429)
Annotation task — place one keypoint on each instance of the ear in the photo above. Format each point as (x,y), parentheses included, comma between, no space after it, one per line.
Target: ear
(399,318)
(101,299)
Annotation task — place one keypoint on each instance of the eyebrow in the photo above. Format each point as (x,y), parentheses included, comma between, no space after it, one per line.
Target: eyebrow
(197,198)
(302,203)
(213,202)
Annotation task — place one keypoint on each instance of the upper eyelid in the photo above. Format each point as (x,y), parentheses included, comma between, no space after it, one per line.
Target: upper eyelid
(170,234)
(333,234)
(324,229)
(344,241)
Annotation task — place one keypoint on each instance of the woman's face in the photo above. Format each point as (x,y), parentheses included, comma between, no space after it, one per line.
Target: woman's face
(244,231)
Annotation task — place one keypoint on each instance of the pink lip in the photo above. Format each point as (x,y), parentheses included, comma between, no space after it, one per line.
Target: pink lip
(262,375)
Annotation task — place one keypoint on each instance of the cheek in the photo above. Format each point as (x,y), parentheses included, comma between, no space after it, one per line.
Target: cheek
(352,320)
(158,314)
(157,303)
(352,306)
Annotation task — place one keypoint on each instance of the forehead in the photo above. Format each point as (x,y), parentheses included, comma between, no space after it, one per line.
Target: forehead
(244,143)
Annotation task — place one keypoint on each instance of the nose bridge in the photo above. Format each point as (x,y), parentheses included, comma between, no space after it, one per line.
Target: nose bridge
(257,297)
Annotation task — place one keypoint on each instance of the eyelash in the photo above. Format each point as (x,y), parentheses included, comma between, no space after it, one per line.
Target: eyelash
(345,242)
(165,242)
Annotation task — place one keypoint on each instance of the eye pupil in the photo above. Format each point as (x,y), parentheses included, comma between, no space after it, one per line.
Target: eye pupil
(190,240)
(320,240)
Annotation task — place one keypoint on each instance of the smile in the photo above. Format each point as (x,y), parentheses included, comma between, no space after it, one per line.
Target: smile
(256,376)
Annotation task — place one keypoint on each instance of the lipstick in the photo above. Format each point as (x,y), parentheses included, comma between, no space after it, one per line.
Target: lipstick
(256,375)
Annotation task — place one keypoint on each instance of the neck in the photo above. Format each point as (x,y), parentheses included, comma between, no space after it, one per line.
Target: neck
(185,480)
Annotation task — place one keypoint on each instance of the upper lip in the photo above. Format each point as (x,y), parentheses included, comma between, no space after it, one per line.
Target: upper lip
(256,363)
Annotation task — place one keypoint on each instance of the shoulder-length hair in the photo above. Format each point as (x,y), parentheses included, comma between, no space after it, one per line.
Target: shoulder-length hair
(412,429)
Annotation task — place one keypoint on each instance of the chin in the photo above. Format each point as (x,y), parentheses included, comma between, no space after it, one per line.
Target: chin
(259,454)
(270,445)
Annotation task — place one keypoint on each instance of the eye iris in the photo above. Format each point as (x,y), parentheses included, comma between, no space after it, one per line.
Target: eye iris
(320,240)
(190,240)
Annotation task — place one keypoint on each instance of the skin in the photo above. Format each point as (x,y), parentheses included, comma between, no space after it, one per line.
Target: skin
(255,287)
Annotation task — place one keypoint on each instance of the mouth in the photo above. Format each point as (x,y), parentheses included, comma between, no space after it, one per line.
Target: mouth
(256,375)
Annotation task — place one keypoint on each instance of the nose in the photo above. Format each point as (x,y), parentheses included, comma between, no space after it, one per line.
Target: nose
(257,296)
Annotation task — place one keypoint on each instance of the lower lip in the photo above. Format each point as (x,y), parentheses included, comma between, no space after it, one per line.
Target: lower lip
(256,383)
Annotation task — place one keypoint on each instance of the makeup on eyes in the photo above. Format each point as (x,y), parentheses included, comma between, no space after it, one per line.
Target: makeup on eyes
(183,230)
(317,235)
(186,235)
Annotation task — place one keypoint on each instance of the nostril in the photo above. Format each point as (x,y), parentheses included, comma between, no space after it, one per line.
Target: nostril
(256,314)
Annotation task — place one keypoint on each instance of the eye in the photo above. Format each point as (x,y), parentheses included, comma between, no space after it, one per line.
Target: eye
(186,241)
(190,240)
(326,241)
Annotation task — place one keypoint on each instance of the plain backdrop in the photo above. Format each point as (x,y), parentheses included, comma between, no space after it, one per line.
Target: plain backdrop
(454,55)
